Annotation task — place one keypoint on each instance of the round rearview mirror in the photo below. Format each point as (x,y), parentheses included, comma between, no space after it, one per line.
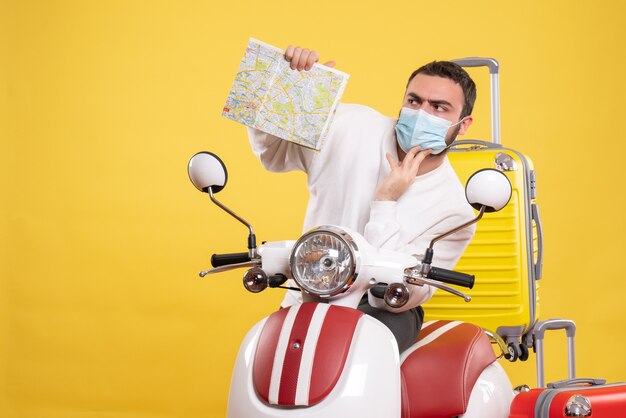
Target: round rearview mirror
(206,170)
(489,188)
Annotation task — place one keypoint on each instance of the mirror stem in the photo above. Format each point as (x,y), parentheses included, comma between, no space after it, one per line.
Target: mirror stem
(428,257)
(251,236)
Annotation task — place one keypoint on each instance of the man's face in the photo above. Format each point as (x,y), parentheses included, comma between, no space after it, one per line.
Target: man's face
(440,97)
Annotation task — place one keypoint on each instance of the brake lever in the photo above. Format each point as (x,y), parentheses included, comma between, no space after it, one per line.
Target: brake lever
(252,263)
(419,280)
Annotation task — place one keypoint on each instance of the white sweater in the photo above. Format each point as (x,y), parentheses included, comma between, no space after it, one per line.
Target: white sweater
(342,179)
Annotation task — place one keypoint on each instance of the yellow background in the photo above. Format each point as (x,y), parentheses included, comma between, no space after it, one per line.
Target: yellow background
(103,102)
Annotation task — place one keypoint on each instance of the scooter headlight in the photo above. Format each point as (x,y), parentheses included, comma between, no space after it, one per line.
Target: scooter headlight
(324,261)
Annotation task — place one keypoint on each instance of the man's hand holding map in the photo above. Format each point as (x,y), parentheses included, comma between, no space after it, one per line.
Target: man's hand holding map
(293,105)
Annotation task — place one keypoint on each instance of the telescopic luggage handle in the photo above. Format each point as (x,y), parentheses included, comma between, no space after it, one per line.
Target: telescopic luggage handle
(494,72)
(539,331)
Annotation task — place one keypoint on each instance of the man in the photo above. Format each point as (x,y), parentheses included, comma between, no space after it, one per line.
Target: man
(388,179)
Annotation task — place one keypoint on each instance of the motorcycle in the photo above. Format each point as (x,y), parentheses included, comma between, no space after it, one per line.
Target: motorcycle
(324,358)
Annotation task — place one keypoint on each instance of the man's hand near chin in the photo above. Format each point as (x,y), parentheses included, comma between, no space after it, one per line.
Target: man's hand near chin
(402,175)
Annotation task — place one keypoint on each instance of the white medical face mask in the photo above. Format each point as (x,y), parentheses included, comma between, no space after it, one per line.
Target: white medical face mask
(418,127)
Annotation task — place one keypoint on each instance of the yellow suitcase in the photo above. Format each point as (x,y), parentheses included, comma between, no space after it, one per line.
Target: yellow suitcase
(506,252)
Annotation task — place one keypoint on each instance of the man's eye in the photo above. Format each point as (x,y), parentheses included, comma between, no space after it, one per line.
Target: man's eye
(411,101)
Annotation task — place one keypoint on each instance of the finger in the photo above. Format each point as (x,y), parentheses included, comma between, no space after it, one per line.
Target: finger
(411,161)
(302,59)
(408,158)
(392,162)
(289,52)
(296,57)
(313,58)
(425,153)
(330,64)
(417,161)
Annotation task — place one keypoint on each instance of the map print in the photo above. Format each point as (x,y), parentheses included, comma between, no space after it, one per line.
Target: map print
(293,105)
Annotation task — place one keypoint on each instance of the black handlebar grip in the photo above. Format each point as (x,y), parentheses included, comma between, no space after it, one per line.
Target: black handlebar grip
(451,277)
(218,260)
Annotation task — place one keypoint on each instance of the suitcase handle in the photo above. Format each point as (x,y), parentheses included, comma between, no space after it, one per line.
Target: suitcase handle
(494,72)
(577,381)
(539,264)
(491,63)
(484,144)
(538,333)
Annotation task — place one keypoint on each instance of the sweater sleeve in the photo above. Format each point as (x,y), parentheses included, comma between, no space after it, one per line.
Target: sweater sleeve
(278,155)
(384,231)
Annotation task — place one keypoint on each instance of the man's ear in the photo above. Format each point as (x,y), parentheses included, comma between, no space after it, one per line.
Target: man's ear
(465,124)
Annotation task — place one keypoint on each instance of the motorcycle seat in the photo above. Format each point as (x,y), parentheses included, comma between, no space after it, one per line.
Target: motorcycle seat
(440,369)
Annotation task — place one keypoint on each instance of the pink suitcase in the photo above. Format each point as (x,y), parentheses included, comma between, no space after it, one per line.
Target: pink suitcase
(572,398)
(567,398)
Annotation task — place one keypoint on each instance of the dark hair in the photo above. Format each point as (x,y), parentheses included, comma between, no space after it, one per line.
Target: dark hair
(456,73)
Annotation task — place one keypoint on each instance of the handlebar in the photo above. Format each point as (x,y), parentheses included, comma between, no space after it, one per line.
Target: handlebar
(451,277)
(218,260)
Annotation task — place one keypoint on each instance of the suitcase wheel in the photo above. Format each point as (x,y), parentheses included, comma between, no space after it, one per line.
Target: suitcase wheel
(516,351)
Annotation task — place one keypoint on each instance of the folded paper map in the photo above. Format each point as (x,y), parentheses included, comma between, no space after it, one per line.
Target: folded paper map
(293,105)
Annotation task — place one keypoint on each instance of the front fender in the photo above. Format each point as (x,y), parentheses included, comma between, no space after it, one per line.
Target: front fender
(368,385)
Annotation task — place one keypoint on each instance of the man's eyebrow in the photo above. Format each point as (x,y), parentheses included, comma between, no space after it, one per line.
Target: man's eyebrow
(432,102)
(440,102)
